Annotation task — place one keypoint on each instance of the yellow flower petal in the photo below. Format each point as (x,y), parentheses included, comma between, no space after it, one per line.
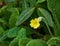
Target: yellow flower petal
(34,23)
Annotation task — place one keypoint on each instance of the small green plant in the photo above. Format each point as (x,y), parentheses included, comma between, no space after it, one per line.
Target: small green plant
(29,22)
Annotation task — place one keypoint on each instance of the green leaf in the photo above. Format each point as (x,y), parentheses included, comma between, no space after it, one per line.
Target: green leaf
(50,32)
(53,41)
(13,17)
(40,1)
(24,4)
(36,42)
(29,31)
(32,2)
(24,15)
(23,41)
(3,36)
(1,30)
(53,6)
(14,42)
(47,19)
(44,13)
(3,8)
(13,32)
(2,21)
(21,34)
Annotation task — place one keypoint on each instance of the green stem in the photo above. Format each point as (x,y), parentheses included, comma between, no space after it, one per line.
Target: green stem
(49,30)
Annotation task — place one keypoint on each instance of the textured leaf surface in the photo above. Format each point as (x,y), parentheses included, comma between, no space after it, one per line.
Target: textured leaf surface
(24,15)
(24,4)
(3,8)
(13,32)
(13,17)
(23,41)
(54,41)
(36,43)
(44,13)
(1,30)
(54,7)
(21,34)
(40,1)
(3,36)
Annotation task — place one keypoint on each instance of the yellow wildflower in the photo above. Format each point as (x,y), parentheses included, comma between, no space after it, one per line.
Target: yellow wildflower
(34,23)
